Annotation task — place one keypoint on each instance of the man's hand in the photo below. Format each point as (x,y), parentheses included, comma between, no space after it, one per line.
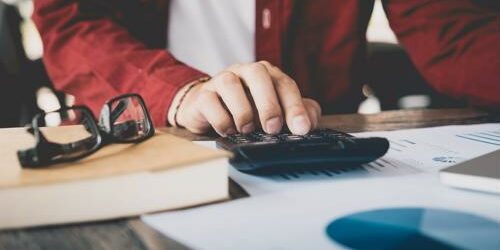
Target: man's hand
(246,96)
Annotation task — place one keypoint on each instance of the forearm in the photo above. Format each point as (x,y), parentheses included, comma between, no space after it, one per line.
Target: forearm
(93,58)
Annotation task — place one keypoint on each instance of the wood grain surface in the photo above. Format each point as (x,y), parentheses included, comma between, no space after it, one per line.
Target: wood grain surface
(133,234)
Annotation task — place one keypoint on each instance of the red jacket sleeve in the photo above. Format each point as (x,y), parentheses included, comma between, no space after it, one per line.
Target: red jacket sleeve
(93,58)
(455,44)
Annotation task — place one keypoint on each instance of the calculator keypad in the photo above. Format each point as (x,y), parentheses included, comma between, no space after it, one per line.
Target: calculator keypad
(259,137)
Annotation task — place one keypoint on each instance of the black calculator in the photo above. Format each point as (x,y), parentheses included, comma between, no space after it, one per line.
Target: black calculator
(322,149)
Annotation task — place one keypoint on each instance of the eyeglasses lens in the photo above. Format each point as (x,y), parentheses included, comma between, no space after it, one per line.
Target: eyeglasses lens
(128,119)
(73,128)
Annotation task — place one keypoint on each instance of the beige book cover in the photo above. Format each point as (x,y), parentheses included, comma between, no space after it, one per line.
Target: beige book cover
(164,172)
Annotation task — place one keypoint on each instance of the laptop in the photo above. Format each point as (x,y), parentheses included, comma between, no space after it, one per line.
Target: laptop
(480,174)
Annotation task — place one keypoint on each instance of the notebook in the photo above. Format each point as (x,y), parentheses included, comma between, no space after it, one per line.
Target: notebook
(120,180)
(480,174)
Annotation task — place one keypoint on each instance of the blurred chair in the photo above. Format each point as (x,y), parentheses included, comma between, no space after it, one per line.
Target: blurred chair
(393,77)
(19,77)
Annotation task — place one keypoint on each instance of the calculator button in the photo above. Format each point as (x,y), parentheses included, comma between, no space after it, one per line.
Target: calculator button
(294,138)
(270,139)
(313,136)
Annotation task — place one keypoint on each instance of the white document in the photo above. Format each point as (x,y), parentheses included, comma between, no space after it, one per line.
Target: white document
(298,219)
(293,211)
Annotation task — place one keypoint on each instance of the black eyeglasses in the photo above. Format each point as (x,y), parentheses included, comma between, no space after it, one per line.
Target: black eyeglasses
(72,133)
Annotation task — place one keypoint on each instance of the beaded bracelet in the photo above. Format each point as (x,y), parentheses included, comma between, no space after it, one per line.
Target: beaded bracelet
(201,80)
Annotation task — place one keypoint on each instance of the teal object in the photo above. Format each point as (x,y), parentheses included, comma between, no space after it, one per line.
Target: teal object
(415,228)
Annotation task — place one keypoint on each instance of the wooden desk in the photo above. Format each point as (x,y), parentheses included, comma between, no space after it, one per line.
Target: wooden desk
(133,234)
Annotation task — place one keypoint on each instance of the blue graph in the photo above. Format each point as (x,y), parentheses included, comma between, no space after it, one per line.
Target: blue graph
(415,228)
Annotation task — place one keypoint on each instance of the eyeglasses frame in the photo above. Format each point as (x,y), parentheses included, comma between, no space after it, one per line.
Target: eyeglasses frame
(43,152)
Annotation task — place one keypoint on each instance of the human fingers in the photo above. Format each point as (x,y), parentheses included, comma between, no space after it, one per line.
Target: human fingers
(297,117)
(313,110)
(230,89)
(212,113)
(260,84)
(215,113)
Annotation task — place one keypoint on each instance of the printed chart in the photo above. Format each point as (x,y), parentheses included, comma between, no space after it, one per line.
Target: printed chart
(415,228)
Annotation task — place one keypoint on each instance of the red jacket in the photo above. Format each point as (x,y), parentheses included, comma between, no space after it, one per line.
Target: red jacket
(97,49)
